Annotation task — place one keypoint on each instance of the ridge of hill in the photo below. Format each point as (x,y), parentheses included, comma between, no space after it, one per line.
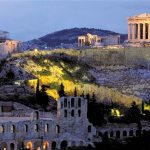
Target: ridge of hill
(66,36)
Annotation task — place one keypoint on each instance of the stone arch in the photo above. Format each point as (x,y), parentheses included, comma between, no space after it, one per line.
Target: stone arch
(37,145)
(45,145)
(131,133)
(3,146)
(124,133)
(54,145)
(13,128)
(57,129)
(64,145)
(25,128)
(1,128)
(106,134)
(36,115)
(118,134)
(46,127)
(111,134)
(29,145)
(36,128)
(12,146)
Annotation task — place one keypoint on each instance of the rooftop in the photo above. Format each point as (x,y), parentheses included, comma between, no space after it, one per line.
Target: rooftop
(141,15)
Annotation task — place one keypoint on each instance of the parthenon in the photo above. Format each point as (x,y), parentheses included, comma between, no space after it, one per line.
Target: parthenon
(139,28)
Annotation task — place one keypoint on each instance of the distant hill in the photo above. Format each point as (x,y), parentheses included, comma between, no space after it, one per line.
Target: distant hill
(66,36)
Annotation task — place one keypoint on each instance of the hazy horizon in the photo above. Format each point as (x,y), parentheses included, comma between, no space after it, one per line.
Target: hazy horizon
(29,19)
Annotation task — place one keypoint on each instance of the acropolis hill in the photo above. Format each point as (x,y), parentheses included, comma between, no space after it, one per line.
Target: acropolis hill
(120,75)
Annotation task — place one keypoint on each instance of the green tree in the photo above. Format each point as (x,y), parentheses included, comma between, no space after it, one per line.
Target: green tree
(61,91)
(43,96)
(93,98)
(75,92)
(10,74)
(134,113)
(37,93)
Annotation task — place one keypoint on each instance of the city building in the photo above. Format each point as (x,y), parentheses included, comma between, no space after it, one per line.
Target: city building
(96,41)
(139,28)
(7,45)
(24,127)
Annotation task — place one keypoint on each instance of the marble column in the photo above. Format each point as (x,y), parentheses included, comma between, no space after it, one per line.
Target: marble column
(129,37)
(144,31)
(139,31)
(149,32)
(133,31)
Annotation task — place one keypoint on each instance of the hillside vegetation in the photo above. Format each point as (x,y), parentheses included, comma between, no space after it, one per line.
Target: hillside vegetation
(73,69)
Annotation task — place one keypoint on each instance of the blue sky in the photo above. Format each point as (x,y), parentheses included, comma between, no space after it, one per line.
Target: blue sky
(29,19)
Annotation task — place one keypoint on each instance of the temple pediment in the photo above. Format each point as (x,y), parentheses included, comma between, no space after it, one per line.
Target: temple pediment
(143,15)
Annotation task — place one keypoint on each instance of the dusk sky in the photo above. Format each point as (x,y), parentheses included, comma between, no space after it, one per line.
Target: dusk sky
(28,19)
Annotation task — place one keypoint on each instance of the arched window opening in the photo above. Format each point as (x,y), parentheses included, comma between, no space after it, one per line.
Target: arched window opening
(3,146)
(65,102)
(68,104)
(36,128)
(63,145)
(65,113)
(72,102)
(12,128)
(45,145)
(111,134)
(79,113)
(53,145)
(118,134)
(72,113)
(89,128)
(1,129)
(57,129)
(26,128)
(46,127)
(29,145)
(124,133)
(79,102)
(131,133)
(36,115)
(12,146)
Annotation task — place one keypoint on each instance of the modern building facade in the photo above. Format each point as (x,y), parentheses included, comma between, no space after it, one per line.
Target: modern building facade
(139,28)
